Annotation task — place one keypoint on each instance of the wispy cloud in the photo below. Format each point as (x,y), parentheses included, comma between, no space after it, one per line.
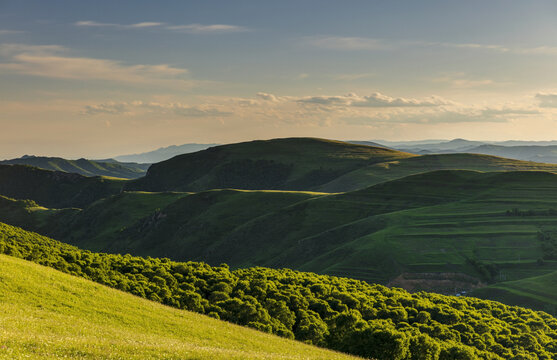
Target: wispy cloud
(189,28)
(10,32)
(373,100)
(146,24)
(547,100)
(462,81)
(174,108)
(52,61)
(207,29)
(344,43)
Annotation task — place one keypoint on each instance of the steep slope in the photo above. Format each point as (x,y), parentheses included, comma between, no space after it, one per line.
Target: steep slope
(82,166)
(47,314)
(54,189)
(444,231)
(285,164)
(338,313)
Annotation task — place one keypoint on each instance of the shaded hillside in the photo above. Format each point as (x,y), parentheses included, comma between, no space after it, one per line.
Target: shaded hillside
(82,166)
(306,164)
(46,314)
(480,227)
(337,313)
(54,189)
(282,164)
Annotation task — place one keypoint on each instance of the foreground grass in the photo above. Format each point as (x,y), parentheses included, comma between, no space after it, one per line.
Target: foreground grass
(50,315)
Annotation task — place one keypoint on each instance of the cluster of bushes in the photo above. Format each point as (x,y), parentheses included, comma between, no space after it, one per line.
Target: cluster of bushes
(338,313)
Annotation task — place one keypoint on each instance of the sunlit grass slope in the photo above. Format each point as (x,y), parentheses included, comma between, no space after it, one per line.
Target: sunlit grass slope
(337,313)
(46,314)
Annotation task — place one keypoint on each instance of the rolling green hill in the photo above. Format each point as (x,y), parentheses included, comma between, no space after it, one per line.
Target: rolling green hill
(307,164)
(46,314)
(283,164)
(444,231)
(55,189)
(82,166)
(337,313)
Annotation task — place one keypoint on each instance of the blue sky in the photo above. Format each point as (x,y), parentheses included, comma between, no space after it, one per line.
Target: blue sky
(97,79)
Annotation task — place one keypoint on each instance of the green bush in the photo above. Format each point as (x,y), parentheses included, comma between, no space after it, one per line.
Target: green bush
(338,313)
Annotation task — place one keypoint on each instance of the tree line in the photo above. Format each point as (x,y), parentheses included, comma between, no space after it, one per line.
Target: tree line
(343,314)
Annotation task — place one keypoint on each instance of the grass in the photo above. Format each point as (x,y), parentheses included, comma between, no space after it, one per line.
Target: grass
(536,291)
(427,223)
(307,164)
(55,189)
(50,315)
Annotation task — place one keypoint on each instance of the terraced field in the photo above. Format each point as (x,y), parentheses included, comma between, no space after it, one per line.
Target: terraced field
(429,228)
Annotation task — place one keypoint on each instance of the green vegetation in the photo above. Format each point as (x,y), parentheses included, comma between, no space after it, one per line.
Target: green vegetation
(445,231)
(284,164)
(342,314)
(55,189)
(307,164)
(46,314)
(83,166)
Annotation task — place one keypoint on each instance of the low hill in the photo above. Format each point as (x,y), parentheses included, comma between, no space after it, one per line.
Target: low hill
(390,170)
(445,231)
(163,153)
(82,166)
(338,313)
(46,314)
(306,164)
(282,164)
(55,189)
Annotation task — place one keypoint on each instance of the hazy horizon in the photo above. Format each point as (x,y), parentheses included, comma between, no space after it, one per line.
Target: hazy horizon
(102,79)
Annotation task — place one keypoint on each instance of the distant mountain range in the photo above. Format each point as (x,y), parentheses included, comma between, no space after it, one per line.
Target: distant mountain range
(163,153)
(108,167)
(539,151)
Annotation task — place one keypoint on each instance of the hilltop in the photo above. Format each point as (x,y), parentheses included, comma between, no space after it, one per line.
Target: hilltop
(281,164)
(337,313)
(82,166)
(306,164)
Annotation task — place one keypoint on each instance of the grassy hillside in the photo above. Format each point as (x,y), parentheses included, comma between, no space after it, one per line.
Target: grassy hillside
(284,164)
(342,314)
(54,189)
(47,314)
(390,170)
(444,231)
(82,166)
(307,164)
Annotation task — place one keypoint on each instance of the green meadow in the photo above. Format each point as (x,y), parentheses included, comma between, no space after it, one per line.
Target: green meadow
(46,314)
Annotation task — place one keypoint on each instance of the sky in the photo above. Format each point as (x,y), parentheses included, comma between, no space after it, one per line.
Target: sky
(103,78)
